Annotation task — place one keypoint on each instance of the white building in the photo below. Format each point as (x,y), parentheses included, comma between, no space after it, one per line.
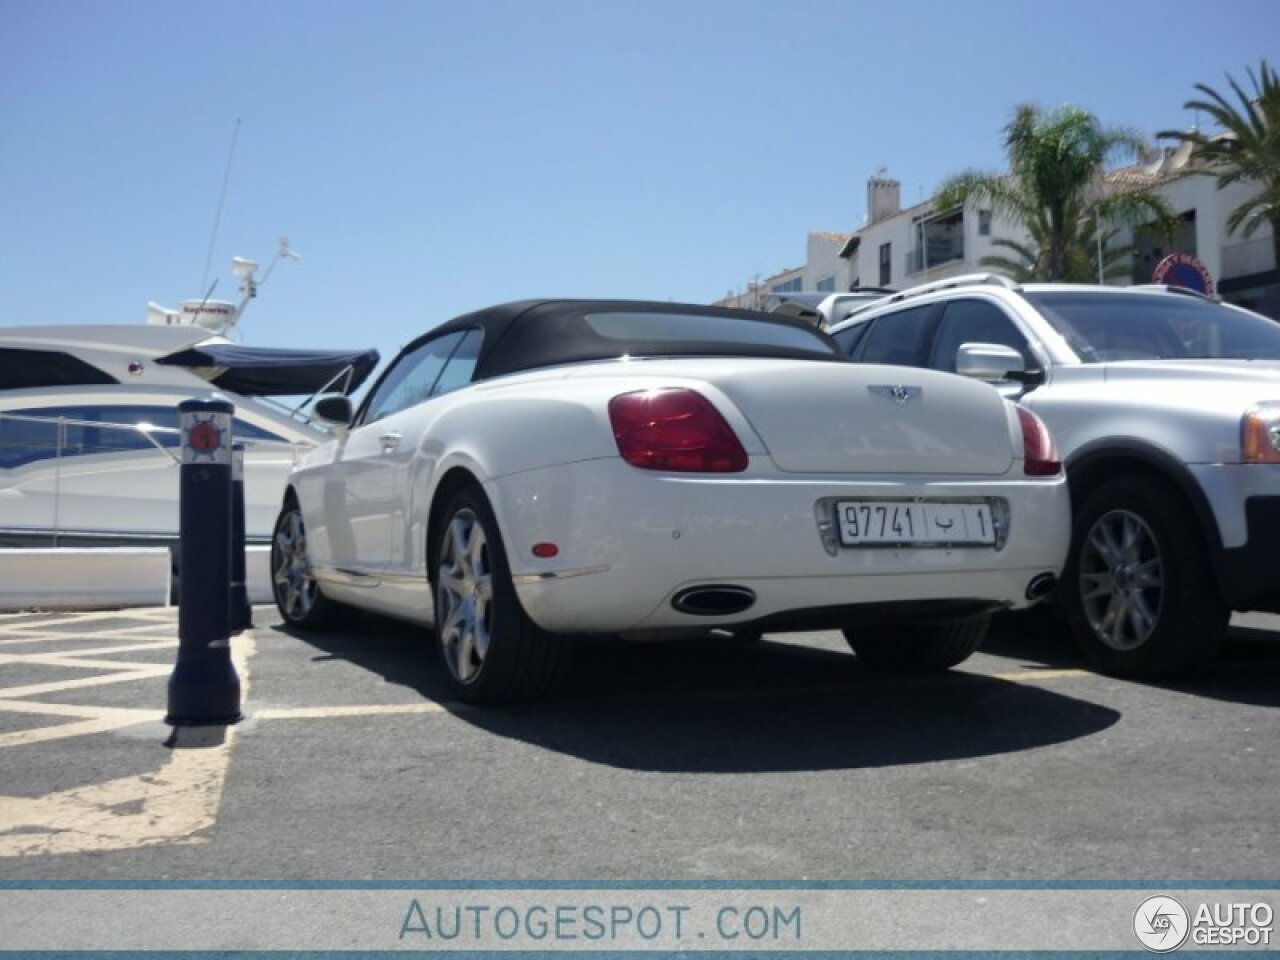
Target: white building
(1243,271)
(824,270)
(902,248)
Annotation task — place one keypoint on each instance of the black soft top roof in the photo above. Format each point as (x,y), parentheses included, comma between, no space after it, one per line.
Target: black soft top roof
(268,372)
(527,334)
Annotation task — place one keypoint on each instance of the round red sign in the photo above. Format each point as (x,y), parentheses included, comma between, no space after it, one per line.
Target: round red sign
(1183,270)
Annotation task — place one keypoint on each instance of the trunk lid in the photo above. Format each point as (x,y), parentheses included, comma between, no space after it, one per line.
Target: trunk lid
(871,419)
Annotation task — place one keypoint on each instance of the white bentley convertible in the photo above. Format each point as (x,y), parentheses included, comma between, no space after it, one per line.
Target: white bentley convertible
(544,469)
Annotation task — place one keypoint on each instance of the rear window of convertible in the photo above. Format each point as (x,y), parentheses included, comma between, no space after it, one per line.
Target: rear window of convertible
(691,328)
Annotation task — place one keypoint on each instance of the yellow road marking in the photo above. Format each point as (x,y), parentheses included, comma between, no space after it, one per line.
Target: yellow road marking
(167,644)
(92,720)
(324,713)
(13,638)
(58,686)
(178,803)
(170,805)
(1031,676)
(73,659)
(174,804)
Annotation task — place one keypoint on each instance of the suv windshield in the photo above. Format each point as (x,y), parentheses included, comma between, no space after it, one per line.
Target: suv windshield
(1102,326)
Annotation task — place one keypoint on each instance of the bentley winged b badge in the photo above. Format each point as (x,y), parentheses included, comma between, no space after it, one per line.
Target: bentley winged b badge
(896,392)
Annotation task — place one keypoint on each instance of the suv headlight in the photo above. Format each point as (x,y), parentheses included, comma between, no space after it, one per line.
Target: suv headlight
(1260,434)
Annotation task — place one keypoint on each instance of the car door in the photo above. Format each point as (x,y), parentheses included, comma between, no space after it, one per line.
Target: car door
(360,504)
(413,463)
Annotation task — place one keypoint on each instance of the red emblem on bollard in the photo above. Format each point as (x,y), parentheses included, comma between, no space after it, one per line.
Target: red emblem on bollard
(205,438)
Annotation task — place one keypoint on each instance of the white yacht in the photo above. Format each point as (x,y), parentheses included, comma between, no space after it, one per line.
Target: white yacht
(89,416)
(89,419)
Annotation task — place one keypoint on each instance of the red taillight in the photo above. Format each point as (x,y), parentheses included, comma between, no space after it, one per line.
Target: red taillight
(1039,452)
(674,429)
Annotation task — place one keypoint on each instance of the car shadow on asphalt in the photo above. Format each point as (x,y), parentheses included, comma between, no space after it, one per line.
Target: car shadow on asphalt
(1246,669)
(721,706)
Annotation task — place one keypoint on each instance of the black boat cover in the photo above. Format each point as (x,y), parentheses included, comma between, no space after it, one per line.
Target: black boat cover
(268,372)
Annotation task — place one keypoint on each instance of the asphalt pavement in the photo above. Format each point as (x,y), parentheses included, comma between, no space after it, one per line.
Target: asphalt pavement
(708,760)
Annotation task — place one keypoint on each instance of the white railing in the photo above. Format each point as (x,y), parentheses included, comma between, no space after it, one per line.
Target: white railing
(936,254)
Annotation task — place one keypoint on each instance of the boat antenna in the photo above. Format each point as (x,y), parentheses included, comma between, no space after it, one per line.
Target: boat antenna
(222,199)
(247,271)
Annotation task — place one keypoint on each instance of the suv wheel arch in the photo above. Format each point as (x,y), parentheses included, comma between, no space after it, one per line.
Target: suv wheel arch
(1094,464)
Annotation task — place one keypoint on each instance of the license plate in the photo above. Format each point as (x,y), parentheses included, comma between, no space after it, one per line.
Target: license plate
(926,524)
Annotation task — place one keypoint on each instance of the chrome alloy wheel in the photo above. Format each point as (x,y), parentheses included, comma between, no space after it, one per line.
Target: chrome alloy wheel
(291,578)
(464,596)
(1121,580)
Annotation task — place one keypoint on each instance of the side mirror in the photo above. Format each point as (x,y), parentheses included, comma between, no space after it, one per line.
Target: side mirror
(334,409)
(992,362)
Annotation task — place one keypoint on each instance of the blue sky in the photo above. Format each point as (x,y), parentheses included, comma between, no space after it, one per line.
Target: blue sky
(428,158)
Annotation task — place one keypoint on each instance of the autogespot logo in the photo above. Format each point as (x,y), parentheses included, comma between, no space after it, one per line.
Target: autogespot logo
(1161,924)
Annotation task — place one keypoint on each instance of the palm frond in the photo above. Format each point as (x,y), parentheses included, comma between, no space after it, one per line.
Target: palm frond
(1249,149)
(1015,270)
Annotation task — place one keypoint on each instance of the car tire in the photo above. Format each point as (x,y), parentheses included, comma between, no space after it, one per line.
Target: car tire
(915,648)
(491,651)
(298,597)
(1139,591)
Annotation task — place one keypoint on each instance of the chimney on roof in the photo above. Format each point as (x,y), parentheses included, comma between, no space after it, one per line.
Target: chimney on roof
(884,198)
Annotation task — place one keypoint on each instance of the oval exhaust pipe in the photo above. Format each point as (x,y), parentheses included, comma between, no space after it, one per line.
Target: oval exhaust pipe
(713,600)
(1041,586)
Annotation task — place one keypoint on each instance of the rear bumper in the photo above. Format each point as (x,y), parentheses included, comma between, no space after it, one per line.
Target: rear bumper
(629,540)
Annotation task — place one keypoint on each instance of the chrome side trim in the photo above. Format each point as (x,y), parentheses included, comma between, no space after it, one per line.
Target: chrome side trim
(404,579)
(528,578)
(345,578)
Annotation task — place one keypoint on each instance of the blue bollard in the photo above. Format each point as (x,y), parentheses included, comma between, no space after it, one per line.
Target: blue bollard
(204,689)
(241,614)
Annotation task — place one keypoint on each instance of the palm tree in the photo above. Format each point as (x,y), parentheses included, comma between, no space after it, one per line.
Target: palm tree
(1083,252)
(1248,149)
(1055,188)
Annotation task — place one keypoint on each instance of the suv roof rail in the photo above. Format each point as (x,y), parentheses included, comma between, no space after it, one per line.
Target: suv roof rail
(1174,288)
(964,280)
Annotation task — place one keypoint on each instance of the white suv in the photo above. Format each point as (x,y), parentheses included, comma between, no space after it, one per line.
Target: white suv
(1166,408)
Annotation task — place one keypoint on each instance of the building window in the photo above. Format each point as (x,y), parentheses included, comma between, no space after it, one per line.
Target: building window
(886,264)
(939,239)
(826,285)
(984,223)
(794,285)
